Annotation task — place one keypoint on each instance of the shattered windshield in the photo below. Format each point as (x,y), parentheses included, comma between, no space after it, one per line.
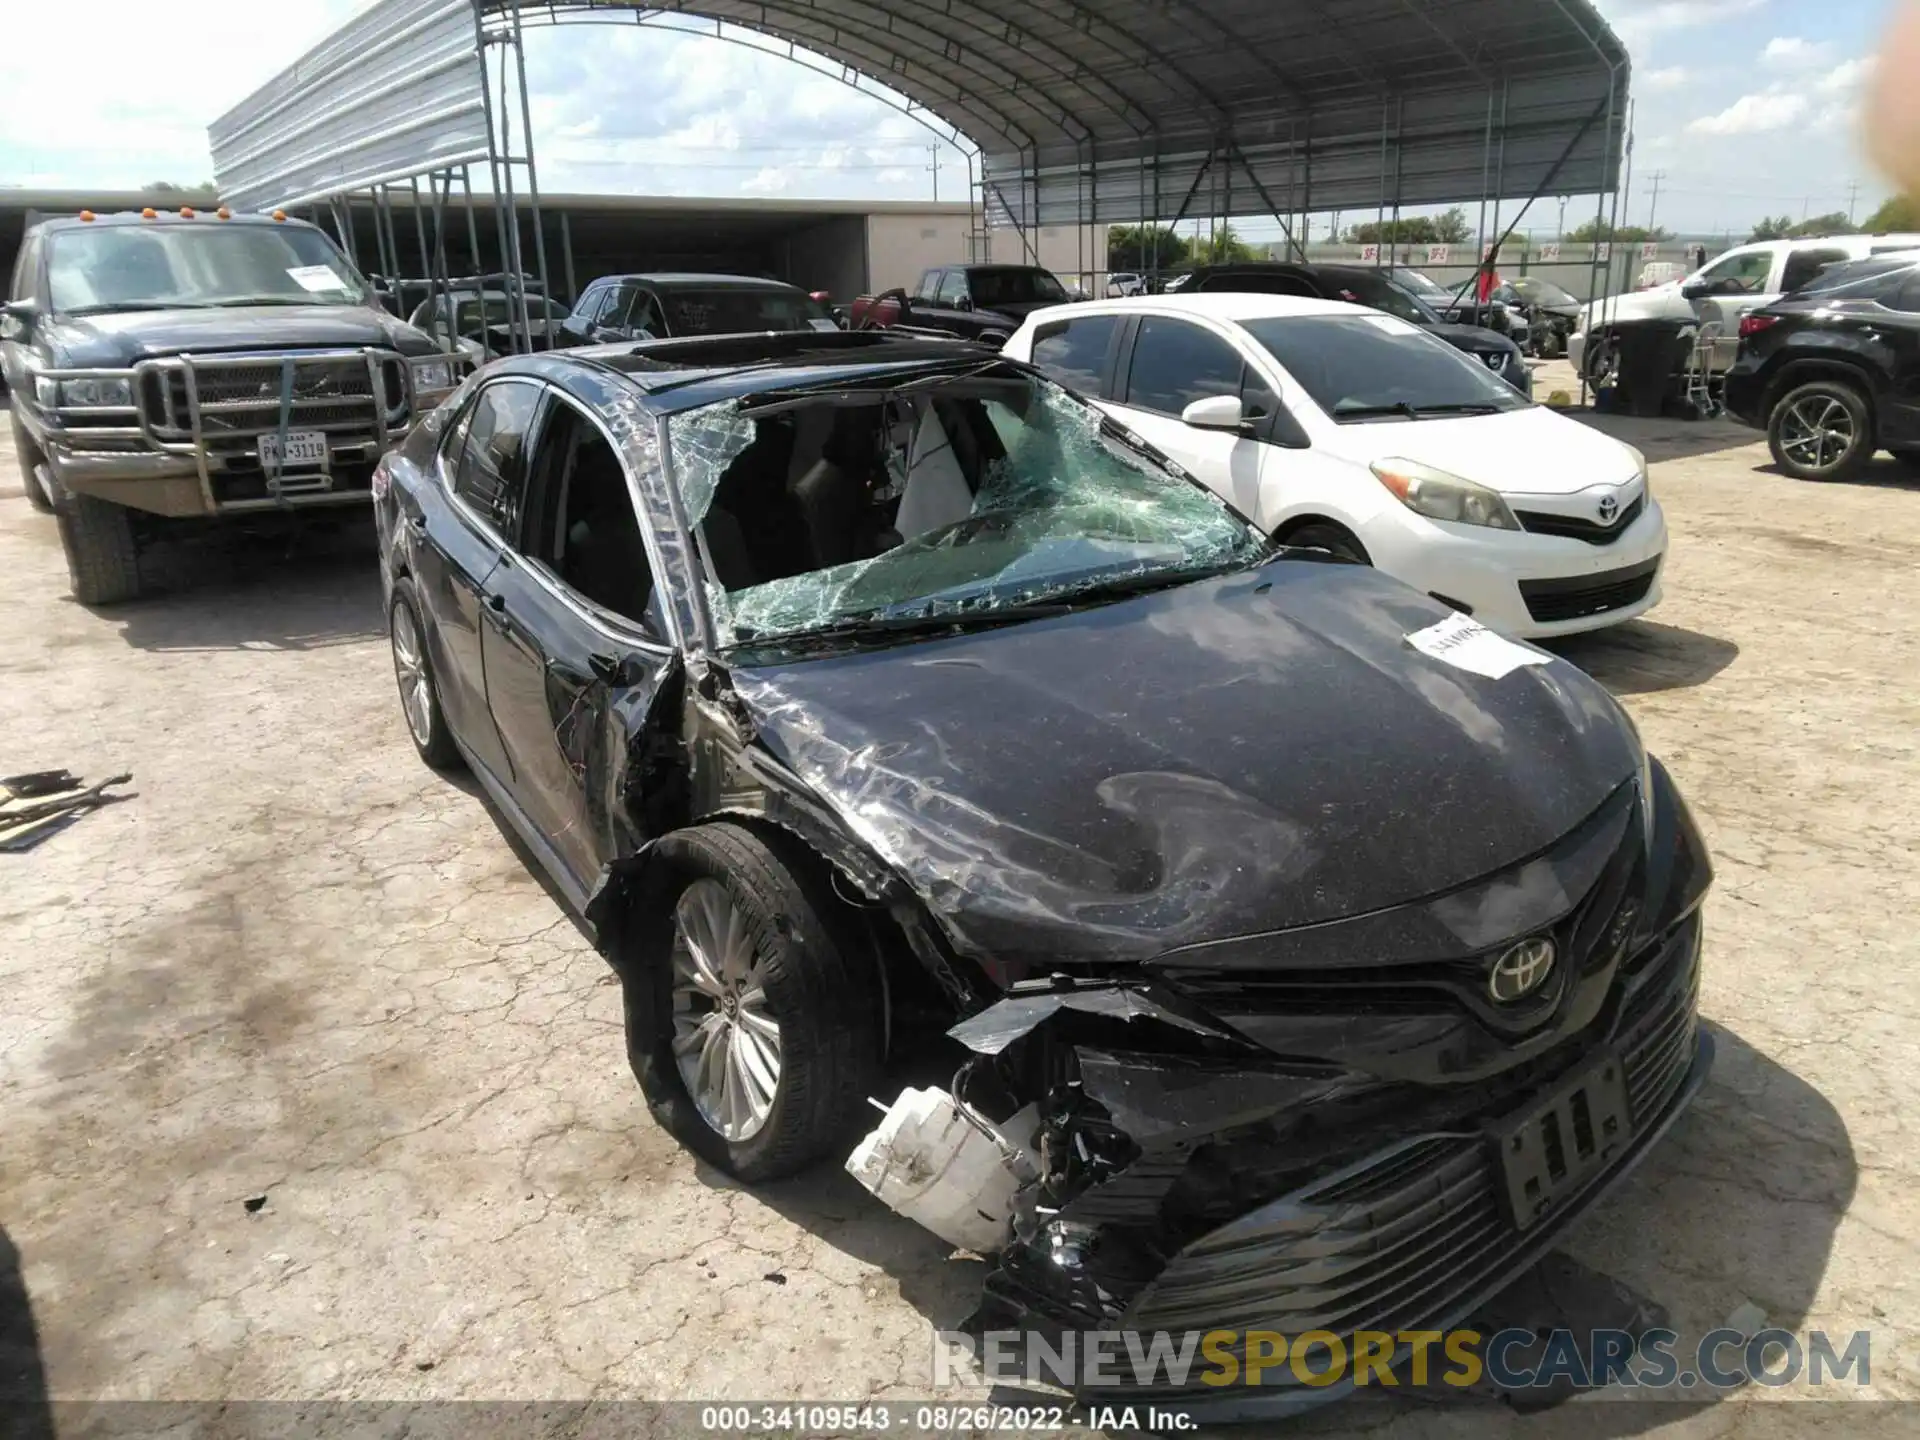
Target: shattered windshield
(970,494)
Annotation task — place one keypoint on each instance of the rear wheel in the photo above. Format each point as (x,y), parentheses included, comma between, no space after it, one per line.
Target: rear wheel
(755,1033)
(1336,540)
(103,560)
(413,669)
(32,463)
(1822,430)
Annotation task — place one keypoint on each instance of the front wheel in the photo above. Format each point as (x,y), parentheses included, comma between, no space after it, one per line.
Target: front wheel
(1336,540)
(1822,430)
(103,560)
(753,1028)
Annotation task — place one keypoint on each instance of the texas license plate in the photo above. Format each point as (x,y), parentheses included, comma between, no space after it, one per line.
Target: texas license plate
(1549,1150)
(303,450)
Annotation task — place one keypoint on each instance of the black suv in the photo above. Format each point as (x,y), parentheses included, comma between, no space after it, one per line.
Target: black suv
(969,302)
(1359,285)
(209,365)
(675,306)
(854,689)
(1832,371)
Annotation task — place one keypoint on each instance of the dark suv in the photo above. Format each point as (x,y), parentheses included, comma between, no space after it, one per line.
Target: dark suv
(673,306)
(969,302)
(855,689)
(190,365)
(1360,285)
(1832,371)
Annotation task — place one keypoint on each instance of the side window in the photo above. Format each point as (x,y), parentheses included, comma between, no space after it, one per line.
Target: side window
(1906,297)
(490,473)
(1740,273)
(1075,352)
(587,312)
(953,287)
(581,527)
(1257,397)
(1803,265)
(644,314)
(26,269)
(929,287)
(1176,363)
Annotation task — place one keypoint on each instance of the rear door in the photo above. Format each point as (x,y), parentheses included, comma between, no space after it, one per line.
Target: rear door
(459,536)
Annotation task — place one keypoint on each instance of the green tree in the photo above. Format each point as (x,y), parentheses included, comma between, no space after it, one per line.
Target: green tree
(1772,227)
(1131,247)
(1449,228)
(1223,247)
(1901,212)
(1834,222)
(1597,230)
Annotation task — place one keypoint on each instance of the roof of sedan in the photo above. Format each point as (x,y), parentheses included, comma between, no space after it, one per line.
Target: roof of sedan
(1214,305)
(706,282)
(685,374)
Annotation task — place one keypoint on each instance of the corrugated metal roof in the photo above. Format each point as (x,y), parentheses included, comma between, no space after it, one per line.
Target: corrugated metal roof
(1106,110)
(396,91)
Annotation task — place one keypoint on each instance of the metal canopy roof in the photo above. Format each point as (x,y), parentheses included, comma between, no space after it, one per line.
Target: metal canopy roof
(1113,110)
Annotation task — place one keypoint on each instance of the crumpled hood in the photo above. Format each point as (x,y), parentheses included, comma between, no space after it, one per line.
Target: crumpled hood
(1244,754)
(116,340)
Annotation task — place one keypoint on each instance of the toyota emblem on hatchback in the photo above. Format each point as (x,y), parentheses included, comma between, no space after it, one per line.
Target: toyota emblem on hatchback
(1609,507)
(1520,970)
(1494,359)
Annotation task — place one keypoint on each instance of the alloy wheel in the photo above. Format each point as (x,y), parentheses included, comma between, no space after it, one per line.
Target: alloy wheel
(410,667)
(726,1042)
(1816,432)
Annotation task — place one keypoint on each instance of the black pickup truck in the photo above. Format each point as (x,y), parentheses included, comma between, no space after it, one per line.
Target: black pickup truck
(173,366)
(969,302)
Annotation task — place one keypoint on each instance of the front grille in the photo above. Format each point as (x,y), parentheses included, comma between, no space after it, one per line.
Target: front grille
(1575,527)
(226,399)
(1550,600)
(1405,1237)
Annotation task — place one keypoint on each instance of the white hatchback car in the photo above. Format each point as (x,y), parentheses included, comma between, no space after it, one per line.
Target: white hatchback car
(1339,427)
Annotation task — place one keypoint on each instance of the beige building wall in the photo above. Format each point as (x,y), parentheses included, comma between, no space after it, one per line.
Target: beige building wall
(904,244)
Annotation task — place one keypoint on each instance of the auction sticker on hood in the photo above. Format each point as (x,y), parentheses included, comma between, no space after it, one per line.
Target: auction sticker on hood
(317,278)
(1466,644)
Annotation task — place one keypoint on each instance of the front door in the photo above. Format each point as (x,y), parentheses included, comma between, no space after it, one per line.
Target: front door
(1174,363)
(576,648)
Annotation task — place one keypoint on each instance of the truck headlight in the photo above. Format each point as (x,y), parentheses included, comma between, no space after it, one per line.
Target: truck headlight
(46,392)
(432,377)
(1440,496)
(100,392)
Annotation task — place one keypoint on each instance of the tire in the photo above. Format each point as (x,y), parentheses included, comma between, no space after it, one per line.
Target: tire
(30,460)
(1822,430)
(420,708)
(103,561)
(818,993)
(1336,540)
(1600,361)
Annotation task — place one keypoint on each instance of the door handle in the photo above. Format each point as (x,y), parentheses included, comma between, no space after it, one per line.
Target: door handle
(611,669)
(496,602)
(416,523)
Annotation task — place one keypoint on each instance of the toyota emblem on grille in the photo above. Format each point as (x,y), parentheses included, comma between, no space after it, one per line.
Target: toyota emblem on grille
(1520,970)
(1609,507)
(1494,359)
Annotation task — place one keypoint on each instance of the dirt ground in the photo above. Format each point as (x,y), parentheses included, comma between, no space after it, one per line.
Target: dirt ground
(299,966)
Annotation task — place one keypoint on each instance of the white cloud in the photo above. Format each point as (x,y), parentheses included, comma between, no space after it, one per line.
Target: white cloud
(1636,21)
(1790,52)
(1753,114)
(1845,77)
(1671,78)
(771,180)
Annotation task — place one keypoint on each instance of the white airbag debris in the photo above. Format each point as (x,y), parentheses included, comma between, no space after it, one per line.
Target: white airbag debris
(1466,644)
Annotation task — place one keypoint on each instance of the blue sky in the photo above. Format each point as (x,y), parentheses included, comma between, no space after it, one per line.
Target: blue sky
(1744,107)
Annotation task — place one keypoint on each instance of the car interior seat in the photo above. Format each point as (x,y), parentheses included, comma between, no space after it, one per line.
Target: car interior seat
(752,502)
(937,491)
(604,557)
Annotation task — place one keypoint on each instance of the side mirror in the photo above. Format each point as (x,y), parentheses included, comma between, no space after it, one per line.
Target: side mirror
(20,309)
(1216,412)
(965,302)
(1699,289)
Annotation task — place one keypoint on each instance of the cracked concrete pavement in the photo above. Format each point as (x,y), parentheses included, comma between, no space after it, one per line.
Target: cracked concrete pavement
(301,966)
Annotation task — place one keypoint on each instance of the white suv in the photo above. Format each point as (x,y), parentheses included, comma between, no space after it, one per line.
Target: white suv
(1725,288)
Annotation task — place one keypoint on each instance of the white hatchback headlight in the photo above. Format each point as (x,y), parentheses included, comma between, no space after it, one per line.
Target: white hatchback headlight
(1440,496)
(1640,466)
(99,392)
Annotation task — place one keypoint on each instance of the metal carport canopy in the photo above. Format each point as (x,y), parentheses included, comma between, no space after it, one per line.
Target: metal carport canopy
(1119,110)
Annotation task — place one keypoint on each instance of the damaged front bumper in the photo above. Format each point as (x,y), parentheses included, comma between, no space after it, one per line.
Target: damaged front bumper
(1189,1180)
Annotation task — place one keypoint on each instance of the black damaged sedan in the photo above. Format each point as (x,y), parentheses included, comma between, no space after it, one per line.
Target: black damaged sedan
(1327,955)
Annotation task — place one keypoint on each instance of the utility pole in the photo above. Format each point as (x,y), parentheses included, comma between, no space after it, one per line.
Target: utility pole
(934,166)
(1853,194)
(1561,233)
(1654,203)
